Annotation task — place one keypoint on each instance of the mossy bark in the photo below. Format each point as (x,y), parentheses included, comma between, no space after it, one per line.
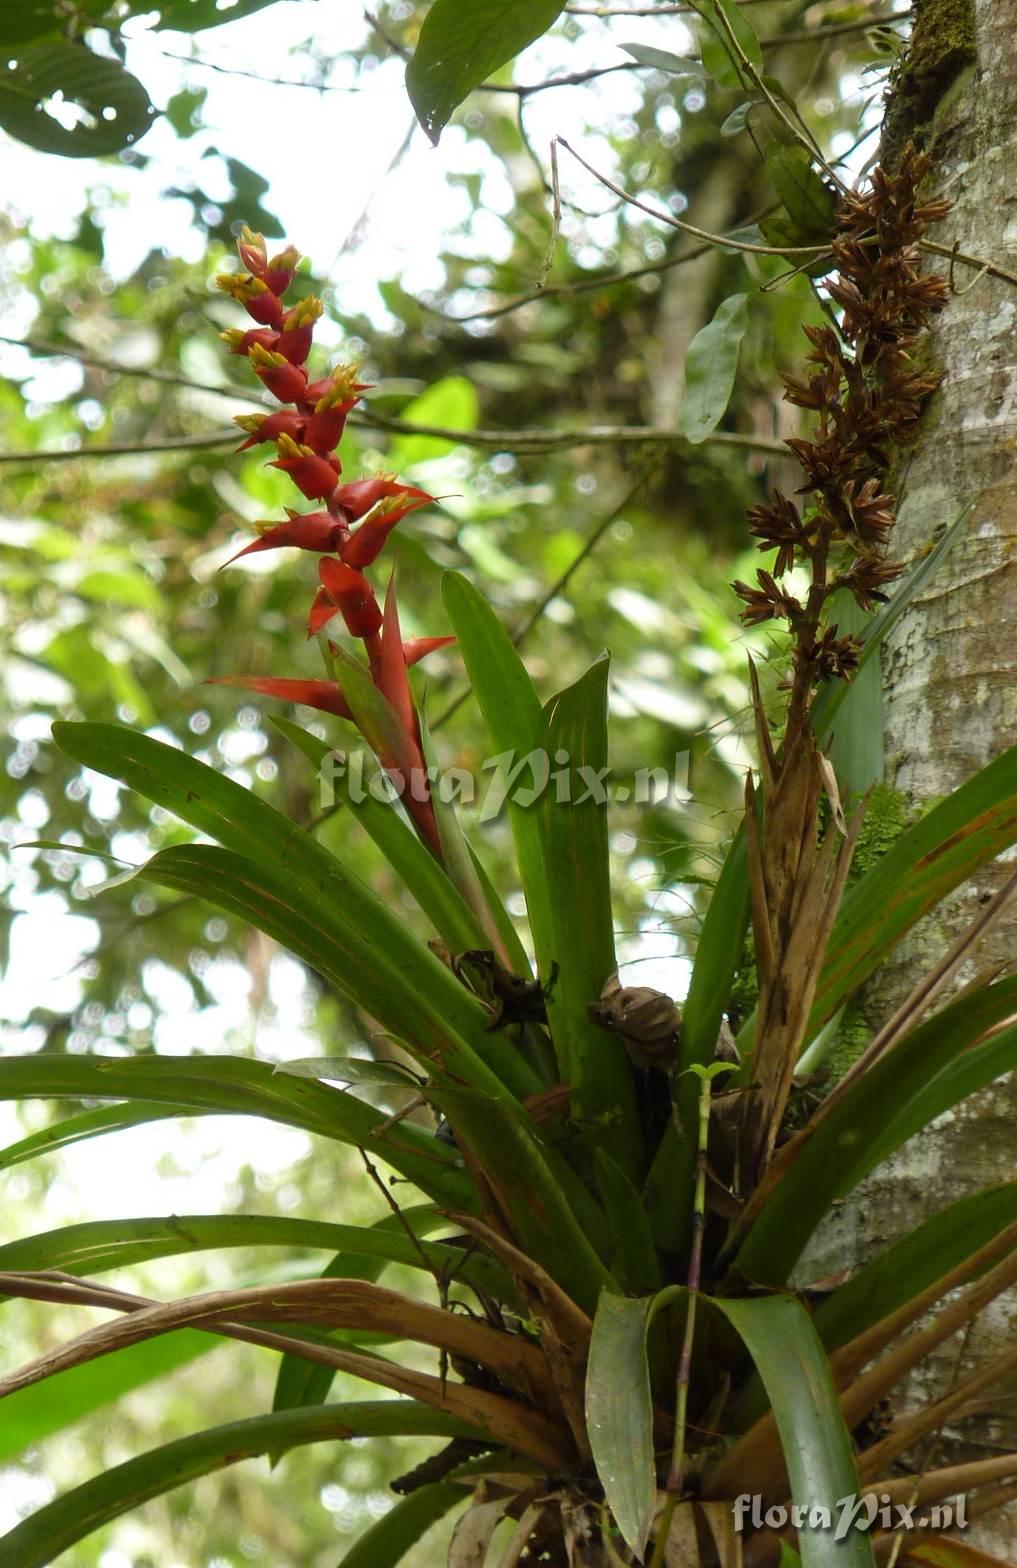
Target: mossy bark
(950,670)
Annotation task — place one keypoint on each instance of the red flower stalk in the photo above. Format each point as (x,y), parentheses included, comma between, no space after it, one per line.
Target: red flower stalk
(306,433)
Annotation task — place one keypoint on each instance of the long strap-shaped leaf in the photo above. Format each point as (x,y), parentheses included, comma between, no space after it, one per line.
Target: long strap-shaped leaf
(504,1419)
(419,1002)
(417,868)
(386,1542)
(790,1359)
(59,1525)
(973,825)
(832,1155)
(96,1245)
(233,1086)
(573,735)
(377,960)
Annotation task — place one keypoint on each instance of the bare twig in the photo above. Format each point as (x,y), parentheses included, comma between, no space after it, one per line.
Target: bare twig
(720,240)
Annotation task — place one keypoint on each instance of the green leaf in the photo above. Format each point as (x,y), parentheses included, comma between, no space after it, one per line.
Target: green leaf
(366,949)
(779,1335)
(619,1413)
(460,45)
(90,1124)
(450,403)
(71,1517)
(112,108)
(350,1069)
(193,16)
(868,1122)
(663,60)
(96,1245)
(32,1414)
(634,1261)
(914,1262)
(235,1086)
(809,202)
(711,365)
(856,747)
(973,825)
(738,119)
(461,864)
(577,879)
(555,1219)
(402,984)
(417,868)
(386,1542)
(512,713)
(719,57)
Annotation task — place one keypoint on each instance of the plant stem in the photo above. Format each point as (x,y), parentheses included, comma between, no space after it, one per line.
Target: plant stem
(675,1476)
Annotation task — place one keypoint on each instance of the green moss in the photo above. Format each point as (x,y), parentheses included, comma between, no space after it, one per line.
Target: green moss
(941,46)
(887,816)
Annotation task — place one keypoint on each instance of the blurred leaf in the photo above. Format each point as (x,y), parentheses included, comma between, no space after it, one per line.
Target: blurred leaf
(460,45)
(193,16)
(76,1514)
(711,365)
(350,1069)
(450,403)
(182,110)
(810,203)
(663,60)
(386,1542)
(110,107)
(738,119)
(719,58)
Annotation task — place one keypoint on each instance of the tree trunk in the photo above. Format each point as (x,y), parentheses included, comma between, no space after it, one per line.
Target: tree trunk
(950,671)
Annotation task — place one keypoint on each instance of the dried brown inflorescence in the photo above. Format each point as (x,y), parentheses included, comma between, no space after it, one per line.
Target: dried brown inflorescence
(867,394)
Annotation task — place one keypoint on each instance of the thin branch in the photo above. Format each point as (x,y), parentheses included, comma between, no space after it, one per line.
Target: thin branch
(521,441)
(672,222)
(255,76)
(166,377)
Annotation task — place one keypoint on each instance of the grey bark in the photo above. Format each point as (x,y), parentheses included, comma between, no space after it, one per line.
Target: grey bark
(950,672)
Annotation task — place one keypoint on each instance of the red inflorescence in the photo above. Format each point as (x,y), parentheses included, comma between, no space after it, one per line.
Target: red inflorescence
(354,519)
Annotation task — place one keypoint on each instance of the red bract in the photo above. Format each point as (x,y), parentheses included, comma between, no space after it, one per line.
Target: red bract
(284,381)
(297,333)
(306,434)
(345,591)
(313,694)
(269,427)
(357,498)
(318,531)
(242,342)
(369,540)
(314,475)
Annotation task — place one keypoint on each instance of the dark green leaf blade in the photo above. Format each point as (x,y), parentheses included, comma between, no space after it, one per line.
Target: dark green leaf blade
(577,877)
(234,1086)
(720,57)
(781,1339)
(459,45)
(410,860)
(838,1152)
(114,109)
(388,1540)
(619,1413)
(71,1517)
(711,365)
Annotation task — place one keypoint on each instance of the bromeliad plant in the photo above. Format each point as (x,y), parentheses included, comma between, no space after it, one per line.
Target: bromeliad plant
(634,1373)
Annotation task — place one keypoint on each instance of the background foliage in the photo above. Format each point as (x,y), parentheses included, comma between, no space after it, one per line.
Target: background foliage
(557,458)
